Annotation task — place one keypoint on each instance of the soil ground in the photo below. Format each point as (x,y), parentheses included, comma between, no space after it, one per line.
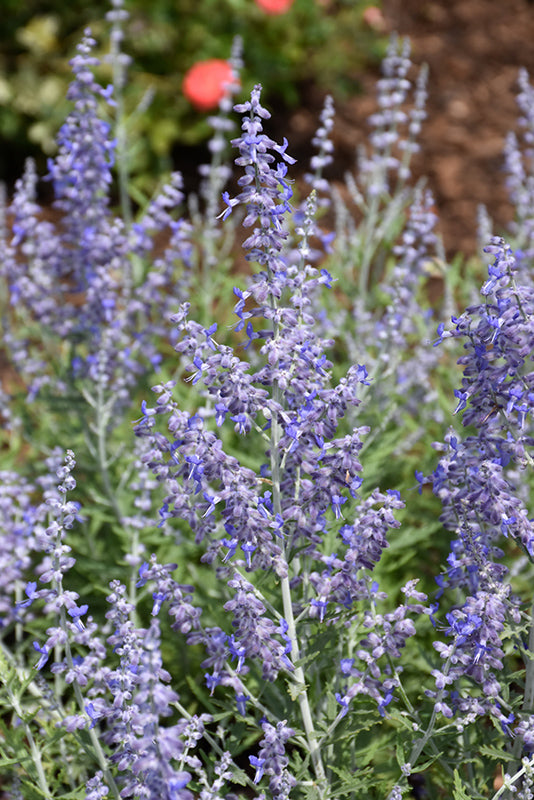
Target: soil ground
(474,49)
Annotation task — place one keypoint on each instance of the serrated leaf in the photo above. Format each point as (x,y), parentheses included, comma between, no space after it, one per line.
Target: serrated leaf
(331,706)
(10,761)
(352,782)
(496,753)
(459,792)
(295,689)
(400,717)
(311,793)
(399,752)
(239,776)
(425,764)
(345,775)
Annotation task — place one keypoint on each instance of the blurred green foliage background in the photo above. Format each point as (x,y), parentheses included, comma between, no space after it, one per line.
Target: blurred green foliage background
(321,42)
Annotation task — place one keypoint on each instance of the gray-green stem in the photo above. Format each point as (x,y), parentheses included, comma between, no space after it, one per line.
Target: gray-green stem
(120,128)
(99,753)
(528,699)
(420,745)
(512,780)
(36,755)
(299,676)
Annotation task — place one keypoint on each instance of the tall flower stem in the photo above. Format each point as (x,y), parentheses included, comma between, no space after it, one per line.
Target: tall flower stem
(300,678)
(101,429)
(36,755)
(420,745)
(528,702)
(97,747)
(117,58)
(266,195)
(528,699)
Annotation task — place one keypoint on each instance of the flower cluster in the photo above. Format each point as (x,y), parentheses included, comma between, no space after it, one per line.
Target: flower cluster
(128,702)
(476,482)
(73,279)
(519,166)
(391,118)
(229,611)
(272,760)
(283,397)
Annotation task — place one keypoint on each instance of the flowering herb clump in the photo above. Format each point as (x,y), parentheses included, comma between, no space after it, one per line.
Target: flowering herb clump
(234,586)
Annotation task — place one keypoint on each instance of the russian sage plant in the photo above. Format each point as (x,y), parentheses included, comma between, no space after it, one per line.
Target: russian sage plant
(223,602)
(293,539)
(482,481)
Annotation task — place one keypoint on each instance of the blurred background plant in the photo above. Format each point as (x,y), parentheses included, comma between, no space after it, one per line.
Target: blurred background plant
(287,47)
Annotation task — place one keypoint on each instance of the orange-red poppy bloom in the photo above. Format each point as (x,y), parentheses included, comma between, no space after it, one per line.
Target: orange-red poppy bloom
(206,82)
(274,6)
(374,18)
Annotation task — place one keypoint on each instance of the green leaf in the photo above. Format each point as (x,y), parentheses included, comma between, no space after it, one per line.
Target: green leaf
(295,689)
(496,753)
(200,694)
(459,792)
(352,782)
(425,764)
(399,752)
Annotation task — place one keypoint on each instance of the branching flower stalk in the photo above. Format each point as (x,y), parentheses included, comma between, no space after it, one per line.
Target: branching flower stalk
(61,601)
(212,242)
(36,753)
(271,231)
(477,483)
(98,752)
(376,170)
(119,63)
(528,697)
(421,743)
(510,781)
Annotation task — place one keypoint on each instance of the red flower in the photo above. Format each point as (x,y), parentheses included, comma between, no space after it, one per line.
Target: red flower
(206,82)
(374,18)
(274,6)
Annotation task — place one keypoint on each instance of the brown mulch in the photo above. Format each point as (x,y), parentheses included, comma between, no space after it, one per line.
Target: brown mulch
(474,49)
